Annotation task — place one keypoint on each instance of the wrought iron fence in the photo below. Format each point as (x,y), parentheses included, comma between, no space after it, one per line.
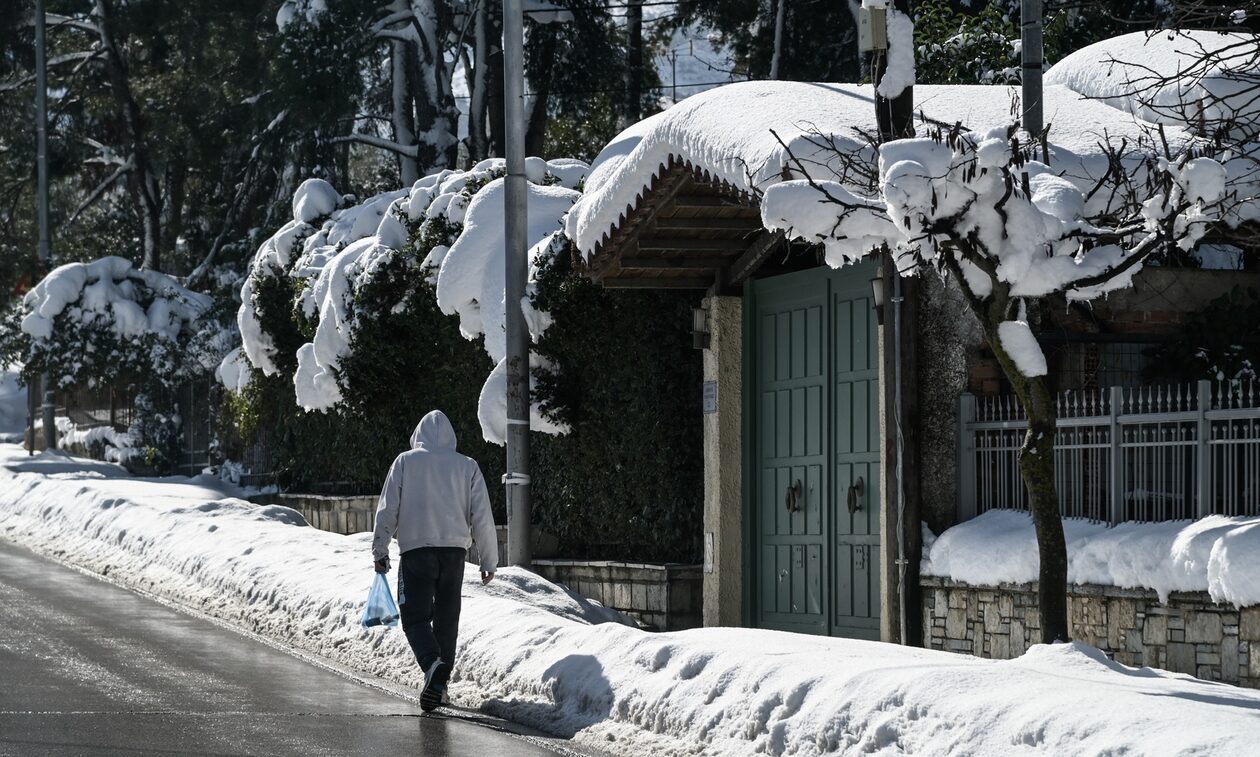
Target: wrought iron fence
(1124,453)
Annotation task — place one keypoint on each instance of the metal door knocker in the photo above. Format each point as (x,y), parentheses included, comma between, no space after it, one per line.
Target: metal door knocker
(792,498)
(855,495)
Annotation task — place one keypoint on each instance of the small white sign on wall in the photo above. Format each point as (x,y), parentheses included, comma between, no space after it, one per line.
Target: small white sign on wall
(708,551)
(710,397)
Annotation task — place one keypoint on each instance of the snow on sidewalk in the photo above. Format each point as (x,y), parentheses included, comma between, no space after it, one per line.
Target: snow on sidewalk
(533,653)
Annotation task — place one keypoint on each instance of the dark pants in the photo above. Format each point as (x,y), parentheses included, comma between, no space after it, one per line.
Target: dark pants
(429,584)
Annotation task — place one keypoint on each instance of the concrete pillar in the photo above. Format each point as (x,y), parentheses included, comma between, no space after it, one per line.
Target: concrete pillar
(723,465)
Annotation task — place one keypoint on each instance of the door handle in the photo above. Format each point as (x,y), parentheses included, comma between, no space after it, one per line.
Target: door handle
(855,495)
(792,497)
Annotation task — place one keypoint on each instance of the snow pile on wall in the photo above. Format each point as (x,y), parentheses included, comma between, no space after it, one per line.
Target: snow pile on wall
(730,132)
(1171,77)
(532,653)
(110,290)
(332,261)
(1219,555)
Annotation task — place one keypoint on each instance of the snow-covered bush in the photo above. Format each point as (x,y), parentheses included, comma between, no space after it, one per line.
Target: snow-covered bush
(107,322)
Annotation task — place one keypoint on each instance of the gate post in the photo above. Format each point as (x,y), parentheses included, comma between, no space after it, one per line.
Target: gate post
(1203,452)
(1115,465)
(966,457)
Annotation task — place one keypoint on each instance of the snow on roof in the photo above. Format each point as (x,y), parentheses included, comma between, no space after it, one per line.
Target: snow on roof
(729,132)
(1168,77)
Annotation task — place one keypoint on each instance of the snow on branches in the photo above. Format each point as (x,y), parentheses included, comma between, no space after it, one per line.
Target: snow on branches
(976,205)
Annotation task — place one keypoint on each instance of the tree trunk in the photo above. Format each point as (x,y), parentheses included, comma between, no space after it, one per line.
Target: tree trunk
(776,60)
(1036,462)
(478,140)
(172,223)
(631,107)
(437,119)
(402,116)
(536,125)
(495,109)
(144,184)
(1036,466)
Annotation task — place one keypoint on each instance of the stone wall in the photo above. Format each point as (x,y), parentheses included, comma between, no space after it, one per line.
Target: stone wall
(338,514)
(661,597)
(1188,634)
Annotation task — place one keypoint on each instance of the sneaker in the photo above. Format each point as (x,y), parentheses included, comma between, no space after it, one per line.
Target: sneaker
(434,686)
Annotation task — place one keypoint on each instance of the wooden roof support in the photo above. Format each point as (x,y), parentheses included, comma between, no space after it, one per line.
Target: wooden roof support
(675,263)
(709,224)
(662,283)
(758,251)
(666,244)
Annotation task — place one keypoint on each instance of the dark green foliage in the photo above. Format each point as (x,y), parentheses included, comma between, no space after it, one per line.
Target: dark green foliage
(1219,342)
(819,38)
(954,47)
(626,482)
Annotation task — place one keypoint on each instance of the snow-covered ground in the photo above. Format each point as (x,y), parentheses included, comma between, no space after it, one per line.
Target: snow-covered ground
(1218,554)
(533,653)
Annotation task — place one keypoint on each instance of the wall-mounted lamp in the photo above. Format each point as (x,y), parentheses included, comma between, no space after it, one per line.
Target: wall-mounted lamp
(877,296)
(700,328)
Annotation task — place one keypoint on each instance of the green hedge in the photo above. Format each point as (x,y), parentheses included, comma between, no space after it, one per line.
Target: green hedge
(627,481)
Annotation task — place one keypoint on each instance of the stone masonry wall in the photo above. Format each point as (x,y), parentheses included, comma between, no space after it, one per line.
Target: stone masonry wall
(1189,634)
(661,597)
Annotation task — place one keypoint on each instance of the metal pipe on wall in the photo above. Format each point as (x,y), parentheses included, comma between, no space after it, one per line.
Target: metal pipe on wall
(41,168)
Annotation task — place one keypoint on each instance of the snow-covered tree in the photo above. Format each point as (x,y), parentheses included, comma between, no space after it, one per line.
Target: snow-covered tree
(1012,231)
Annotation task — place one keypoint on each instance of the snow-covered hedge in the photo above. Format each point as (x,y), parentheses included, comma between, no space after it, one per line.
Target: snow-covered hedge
(106,321)
(446,229)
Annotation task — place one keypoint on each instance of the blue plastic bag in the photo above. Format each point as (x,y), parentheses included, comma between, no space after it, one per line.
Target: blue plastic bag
(381,609)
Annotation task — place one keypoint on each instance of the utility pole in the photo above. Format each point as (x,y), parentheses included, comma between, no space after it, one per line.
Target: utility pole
(631,109)
(895,116)
(515,228)
(41,190)
(1030,53)
(777,59)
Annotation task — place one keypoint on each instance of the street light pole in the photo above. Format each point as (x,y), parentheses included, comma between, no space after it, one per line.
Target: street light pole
(1030,54)
(515,228)
(41,189)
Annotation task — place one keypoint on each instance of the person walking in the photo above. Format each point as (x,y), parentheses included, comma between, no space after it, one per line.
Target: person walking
(434,500)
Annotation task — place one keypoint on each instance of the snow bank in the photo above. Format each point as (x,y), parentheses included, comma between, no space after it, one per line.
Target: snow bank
(727,132)
(1177,78)
(530,652)
(1219,555)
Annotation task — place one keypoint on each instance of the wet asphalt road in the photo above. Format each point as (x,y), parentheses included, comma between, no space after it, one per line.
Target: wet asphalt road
(89,668)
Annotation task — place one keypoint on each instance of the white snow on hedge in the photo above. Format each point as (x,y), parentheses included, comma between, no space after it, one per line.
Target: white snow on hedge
(1219,555)
(727,132)
(1169,77)
(343,253)
(113,291)
(530,652)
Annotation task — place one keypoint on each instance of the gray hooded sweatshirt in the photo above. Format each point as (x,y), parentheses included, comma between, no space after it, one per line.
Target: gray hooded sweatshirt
(435,497)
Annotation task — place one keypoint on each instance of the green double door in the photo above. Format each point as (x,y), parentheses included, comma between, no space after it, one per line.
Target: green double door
(813,425)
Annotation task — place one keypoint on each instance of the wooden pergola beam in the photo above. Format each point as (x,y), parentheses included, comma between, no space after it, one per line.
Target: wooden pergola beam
(691,282)
(751,260)
(709,224)
(702,263)
(721,244)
